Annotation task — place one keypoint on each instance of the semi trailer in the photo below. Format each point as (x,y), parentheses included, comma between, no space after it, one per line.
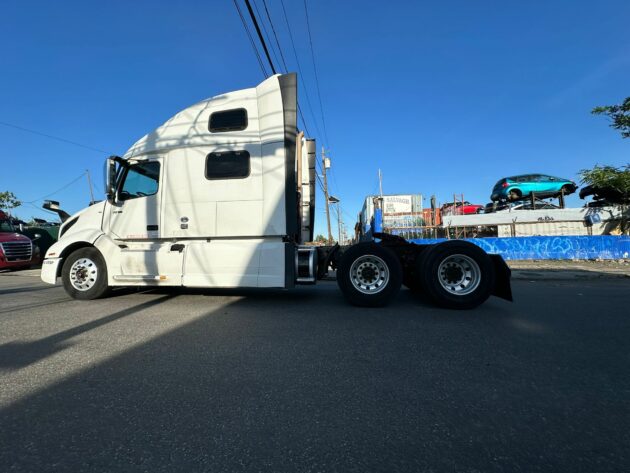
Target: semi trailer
(222,195)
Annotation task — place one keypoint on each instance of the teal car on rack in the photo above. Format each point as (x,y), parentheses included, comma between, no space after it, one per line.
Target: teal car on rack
(521,187)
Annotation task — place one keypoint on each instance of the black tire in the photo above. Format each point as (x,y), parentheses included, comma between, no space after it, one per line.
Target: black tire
(411,280)
(568,189)
(457,256)
(369,262)
(94,265)
(515,194)
(411,283)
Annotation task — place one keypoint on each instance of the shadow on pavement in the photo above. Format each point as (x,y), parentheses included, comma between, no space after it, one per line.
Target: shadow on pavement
(14,355)
(301,381)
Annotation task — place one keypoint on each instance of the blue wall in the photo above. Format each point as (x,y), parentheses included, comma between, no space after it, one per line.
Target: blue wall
(553,247)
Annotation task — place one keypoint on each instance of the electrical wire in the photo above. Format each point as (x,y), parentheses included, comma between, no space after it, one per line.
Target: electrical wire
(297,61)
(53,137)
(64,187)
(275,35)
(41,209)
(278,46)
(251,40)
(267,36)
(260,36)
(319,95)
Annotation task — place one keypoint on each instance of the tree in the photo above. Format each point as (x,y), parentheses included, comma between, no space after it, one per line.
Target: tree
(321,239)
(618,114)
(8,200)
(610,177)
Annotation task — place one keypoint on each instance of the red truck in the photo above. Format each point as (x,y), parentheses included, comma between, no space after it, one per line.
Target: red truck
(16,251)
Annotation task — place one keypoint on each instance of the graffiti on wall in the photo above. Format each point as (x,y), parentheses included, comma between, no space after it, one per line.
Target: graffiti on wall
(553,247)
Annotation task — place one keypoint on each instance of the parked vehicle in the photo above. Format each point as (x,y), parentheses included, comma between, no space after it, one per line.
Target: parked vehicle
(222,195)
(509,206)
(608,194)
(461,208)
(16,251)
(542,185)
(42,232)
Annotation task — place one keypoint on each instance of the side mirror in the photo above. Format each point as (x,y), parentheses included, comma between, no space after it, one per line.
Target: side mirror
(110,177)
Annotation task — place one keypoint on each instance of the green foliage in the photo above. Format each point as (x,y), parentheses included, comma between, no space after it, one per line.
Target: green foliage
(608,176)
(8,200)
(614,178)
(321,239)
(619,116)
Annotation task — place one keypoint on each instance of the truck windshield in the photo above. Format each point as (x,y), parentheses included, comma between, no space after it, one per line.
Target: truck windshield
(6,226)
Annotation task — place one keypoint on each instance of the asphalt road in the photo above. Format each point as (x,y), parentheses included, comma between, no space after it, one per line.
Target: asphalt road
(301,382)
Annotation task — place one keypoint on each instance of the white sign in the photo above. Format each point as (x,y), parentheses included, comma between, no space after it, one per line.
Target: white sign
(396,204)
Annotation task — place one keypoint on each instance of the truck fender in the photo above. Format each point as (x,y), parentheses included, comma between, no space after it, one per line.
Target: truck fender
(77,239)
(111,254)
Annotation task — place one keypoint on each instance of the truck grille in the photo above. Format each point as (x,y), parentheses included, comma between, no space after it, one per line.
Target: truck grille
(17,250)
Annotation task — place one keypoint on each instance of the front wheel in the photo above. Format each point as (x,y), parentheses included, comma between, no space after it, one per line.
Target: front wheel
(369,275)
(84,274)
(456,274)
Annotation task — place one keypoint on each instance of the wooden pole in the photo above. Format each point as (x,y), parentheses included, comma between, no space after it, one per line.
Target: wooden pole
(326,194)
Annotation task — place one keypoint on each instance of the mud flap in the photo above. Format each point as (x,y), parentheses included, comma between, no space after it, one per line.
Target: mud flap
(502,286)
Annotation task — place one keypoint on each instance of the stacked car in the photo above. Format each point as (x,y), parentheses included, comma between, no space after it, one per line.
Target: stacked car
(524,186)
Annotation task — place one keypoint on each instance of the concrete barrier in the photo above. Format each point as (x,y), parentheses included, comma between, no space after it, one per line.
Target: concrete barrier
(552,247)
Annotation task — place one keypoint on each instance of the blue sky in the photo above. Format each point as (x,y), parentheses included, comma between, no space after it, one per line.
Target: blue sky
(445,97)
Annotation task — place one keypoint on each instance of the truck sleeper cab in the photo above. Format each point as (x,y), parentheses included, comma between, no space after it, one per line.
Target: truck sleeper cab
(221,195)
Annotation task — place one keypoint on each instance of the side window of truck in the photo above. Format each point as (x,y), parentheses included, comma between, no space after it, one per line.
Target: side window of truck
(228,165)
(228,120)
(141,180)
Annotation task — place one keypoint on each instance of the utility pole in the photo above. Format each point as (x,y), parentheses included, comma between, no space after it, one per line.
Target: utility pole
(380,183)
(87,173)
(339,223)
(326,165)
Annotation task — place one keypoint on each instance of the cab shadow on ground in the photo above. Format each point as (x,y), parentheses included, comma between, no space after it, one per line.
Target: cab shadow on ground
(300,381)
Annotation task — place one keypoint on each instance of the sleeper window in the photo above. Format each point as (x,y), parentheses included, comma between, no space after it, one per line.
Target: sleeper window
(228,165)
(228,120)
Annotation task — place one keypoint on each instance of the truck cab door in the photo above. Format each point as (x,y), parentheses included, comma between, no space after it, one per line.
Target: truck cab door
(135,213)
(134,223)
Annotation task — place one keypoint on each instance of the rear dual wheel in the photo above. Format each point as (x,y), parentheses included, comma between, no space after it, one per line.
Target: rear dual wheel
(369,275)
(455,274)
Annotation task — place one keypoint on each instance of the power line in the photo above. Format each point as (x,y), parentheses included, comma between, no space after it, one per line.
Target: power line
(41,209)
(53,137)
(251,40)
(260,36)
(308,99)
(58,190)
(319,95)
(273,51)
(275,35)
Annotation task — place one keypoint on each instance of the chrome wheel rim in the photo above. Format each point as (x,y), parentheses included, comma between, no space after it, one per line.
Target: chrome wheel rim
(83,274)
(369,274)
(459,274)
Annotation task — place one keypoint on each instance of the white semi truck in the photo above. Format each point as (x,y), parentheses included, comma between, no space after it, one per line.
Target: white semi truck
(222,195)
